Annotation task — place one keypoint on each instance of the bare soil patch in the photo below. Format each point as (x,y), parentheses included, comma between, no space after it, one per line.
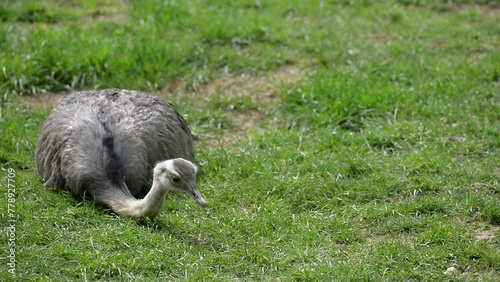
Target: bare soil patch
(43,100)
(109,11)
(105,16)
(486,234)
(262,90)
(489,11)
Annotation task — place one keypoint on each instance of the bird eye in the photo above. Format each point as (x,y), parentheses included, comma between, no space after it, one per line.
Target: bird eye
(176,179)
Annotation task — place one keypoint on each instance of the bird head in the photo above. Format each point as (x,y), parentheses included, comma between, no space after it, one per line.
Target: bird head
(179,175)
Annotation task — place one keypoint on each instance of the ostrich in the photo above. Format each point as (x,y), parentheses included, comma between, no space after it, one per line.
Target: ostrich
(110,144)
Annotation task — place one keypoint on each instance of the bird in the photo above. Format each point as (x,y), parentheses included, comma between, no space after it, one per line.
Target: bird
(125,149)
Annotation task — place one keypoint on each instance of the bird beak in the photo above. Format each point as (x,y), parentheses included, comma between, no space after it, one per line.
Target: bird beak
(197,197)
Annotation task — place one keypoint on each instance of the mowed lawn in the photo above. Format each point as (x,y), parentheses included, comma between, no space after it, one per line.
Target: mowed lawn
(336,140)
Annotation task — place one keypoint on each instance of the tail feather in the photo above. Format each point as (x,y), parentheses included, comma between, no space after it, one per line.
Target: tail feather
(113,166)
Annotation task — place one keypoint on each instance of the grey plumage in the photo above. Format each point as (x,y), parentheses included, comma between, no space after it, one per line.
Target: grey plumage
(106,143)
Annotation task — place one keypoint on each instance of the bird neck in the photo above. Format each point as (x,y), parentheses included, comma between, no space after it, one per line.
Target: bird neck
(154,200)
(150,206)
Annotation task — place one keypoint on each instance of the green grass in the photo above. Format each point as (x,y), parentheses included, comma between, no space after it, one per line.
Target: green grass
(379,163)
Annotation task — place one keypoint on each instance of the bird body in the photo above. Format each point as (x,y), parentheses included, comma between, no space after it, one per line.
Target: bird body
(105,144)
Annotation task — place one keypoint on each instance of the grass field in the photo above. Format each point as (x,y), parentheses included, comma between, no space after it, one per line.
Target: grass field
(337,140)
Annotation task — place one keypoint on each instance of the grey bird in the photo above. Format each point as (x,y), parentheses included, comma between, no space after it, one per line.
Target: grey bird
(126,149)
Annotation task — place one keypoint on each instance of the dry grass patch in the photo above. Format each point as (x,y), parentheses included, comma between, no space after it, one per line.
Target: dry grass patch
(263,92)
(486,234)
(108,11)
(41,101)
(490,11)
(262,89)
